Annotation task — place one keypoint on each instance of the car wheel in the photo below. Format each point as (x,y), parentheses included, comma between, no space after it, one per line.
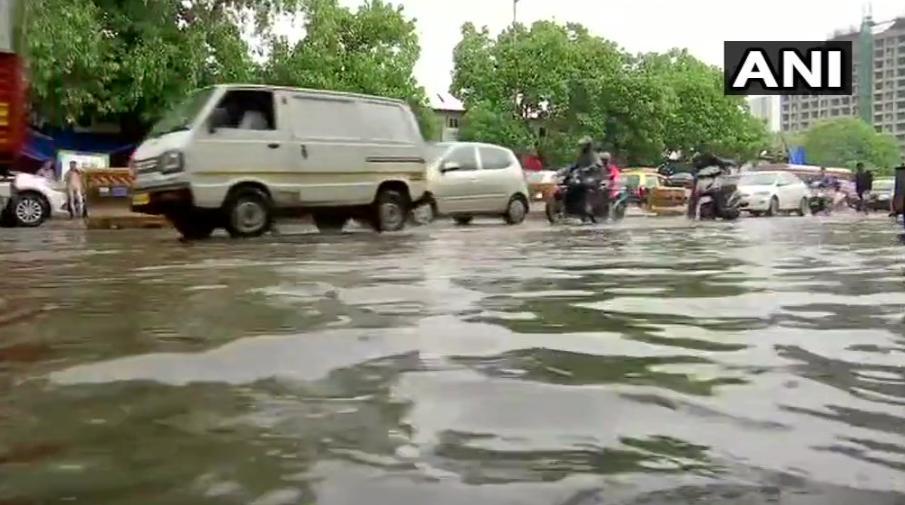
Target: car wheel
(424,214)
(774,207)
(193,225)
(390,211)
(462,220)
(755,213)
(803,207)
(249,213)
(329,223)
(30,209)
(731,214)
(517,210)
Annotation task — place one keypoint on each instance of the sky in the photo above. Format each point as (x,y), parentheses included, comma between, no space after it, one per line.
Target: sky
(701,26)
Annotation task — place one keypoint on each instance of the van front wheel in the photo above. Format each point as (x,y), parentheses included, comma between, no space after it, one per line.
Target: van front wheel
(249,213)
(390,211)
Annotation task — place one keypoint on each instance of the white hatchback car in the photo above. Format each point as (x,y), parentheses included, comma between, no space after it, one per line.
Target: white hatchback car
(769,193)
(466,179)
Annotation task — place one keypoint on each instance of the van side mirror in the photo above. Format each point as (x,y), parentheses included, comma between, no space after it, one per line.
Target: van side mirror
(449,166)
(218,118)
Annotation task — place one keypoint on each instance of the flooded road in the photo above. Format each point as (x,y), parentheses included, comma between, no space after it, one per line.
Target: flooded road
(655,362)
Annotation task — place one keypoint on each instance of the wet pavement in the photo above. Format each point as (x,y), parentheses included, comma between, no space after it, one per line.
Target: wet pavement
(652,362)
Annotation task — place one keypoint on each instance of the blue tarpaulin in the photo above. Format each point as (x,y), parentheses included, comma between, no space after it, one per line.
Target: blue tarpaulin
(42,147)
(796,156)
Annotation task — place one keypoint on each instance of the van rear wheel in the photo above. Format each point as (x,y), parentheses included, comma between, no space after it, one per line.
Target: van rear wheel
(249,213)
(390,211)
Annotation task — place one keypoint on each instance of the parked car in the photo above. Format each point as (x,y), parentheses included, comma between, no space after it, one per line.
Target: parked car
(238,156)
(640,183)
(28,200)
(769,193)
(468,179)
(880,195)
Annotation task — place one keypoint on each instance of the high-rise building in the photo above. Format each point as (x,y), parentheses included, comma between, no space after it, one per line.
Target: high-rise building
(764,108)
(878,94)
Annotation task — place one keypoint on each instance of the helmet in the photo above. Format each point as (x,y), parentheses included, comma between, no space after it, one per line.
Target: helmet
(605,155)
(585,141)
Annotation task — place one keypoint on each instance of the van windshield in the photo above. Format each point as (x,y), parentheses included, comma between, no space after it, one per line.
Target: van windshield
(180,117)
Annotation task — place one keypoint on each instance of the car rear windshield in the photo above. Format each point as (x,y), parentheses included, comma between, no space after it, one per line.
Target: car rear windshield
(632,181)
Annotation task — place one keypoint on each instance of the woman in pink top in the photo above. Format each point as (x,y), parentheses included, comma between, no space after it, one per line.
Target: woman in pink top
(611,171)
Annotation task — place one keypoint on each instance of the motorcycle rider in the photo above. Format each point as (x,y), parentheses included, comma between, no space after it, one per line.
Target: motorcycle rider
(824,180)
(587,159)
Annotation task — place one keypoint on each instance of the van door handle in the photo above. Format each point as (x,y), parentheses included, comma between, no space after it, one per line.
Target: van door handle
(304,152)
(273,145)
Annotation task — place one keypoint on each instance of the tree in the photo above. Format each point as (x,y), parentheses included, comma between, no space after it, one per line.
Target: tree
(846,141)
(573,84)
(372,50)
(700,116)
(129,60)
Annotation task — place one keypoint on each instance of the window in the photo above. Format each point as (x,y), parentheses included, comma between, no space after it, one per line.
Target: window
(464,156)
(183,115)
(245,110)
(325,118)
(494,158)
(452,122)
(390,121)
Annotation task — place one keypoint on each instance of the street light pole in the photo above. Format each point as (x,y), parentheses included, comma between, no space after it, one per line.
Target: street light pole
(514,11)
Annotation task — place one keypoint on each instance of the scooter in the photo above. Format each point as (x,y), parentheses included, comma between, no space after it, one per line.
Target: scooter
(579,193)
(821,199)
(714,196)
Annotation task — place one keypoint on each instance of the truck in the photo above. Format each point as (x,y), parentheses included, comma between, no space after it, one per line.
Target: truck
(12,87)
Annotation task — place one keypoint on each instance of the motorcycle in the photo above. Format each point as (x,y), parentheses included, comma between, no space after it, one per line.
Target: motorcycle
(821,199)
(579,193)
(714,195)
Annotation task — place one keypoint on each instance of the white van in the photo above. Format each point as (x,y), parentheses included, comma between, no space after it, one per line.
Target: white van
(238,156)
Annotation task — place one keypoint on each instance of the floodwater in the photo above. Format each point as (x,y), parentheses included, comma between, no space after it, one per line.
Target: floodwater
(653,362)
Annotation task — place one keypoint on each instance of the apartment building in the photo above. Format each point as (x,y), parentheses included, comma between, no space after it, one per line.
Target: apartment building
(763,108)
(885,77)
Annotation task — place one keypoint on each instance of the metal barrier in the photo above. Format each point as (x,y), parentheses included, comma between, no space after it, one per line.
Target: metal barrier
(108,198)
(668,200)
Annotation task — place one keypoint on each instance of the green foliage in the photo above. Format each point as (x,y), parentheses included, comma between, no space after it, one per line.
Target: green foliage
(846,141)
(572,84)
(135,58)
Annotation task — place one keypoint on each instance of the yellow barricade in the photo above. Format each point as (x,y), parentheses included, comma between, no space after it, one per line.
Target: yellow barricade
(668,201)
(108,197)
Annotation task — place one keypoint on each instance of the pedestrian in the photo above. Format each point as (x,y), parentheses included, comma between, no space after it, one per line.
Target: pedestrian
(75,192)
(864,183)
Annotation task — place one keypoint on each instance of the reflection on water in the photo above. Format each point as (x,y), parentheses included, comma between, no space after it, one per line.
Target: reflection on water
(655,362)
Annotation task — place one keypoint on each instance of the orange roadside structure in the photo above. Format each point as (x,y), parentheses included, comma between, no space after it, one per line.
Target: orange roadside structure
(108,195)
